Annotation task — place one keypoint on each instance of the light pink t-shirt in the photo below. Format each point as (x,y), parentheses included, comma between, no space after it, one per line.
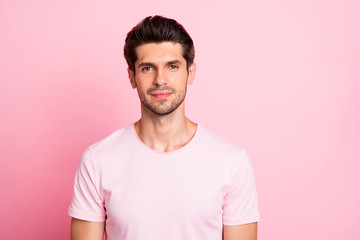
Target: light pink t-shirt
(143,194)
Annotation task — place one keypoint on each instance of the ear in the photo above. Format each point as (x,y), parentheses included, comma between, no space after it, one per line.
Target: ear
(131,78)
(191,74)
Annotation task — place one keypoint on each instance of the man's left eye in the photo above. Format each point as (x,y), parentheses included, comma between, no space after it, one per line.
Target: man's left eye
(173,67)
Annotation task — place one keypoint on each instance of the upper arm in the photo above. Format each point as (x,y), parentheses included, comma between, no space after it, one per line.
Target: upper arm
(240,232)
(85,230)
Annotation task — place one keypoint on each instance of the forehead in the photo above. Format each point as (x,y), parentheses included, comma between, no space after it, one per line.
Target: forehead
(158,52)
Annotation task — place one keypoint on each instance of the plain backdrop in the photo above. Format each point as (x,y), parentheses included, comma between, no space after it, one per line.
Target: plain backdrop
(280,78)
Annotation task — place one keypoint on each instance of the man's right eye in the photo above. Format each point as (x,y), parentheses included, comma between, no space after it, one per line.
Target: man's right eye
(146,69)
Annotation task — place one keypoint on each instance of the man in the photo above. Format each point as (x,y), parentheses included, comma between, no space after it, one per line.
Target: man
(163,177)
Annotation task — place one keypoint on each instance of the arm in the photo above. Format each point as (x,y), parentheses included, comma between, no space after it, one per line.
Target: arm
(240,232)
(85,230)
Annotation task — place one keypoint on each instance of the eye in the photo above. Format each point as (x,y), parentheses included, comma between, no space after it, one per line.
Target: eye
(147,69)
(173,67)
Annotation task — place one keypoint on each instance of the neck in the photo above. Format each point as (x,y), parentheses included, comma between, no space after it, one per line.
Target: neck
(165,133)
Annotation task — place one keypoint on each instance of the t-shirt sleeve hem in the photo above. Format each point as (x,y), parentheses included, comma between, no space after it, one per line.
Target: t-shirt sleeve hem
(86,217)
(241,221)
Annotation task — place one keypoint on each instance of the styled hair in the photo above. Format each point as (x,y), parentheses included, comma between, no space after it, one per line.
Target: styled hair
(157,29)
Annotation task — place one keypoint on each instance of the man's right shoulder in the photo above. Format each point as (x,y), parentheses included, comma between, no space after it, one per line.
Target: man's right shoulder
(113,141)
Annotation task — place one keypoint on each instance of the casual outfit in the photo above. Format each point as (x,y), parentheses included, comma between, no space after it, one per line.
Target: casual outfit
(143,194)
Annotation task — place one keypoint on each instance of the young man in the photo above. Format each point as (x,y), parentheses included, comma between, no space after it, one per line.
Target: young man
(163,177)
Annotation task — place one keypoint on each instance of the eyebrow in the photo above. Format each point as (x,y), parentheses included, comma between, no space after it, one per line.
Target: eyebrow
(174,62)
(142,64)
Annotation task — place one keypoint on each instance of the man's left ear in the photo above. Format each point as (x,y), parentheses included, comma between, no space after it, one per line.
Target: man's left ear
(191,75)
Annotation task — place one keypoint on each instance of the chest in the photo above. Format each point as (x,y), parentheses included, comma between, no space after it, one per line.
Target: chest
(164,192)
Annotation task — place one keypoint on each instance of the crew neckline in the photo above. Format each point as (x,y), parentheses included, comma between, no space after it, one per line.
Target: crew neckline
(186,146)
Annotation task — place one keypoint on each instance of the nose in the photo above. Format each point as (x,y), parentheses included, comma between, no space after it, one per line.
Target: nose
(160,78)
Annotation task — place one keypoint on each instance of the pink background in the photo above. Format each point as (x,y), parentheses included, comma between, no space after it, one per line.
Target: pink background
(280,78)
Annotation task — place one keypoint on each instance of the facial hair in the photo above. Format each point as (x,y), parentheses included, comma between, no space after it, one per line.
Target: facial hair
(162,106)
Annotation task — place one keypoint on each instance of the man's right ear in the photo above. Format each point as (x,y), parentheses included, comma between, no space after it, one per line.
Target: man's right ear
(131,78)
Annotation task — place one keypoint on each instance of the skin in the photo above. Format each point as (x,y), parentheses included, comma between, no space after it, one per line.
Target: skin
(161,78)
(85,230)
(161,66)
(240,232)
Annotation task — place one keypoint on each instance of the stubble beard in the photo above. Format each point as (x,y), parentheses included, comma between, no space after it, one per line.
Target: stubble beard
(162,107)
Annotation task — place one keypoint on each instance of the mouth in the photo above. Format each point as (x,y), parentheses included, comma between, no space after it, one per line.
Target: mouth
(161,94)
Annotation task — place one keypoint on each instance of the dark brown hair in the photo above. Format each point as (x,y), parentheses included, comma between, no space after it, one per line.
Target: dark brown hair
(157,29)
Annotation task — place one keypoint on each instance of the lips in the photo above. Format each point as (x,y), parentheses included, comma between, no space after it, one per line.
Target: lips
(161,94)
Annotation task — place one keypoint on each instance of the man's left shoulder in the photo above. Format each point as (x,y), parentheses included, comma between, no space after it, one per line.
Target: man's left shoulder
(218,143)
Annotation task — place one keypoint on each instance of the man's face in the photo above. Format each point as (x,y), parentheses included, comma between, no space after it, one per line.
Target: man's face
(161,76)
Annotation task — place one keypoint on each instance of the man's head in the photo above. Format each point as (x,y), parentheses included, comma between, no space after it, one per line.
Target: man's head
(157,29)
(160,55)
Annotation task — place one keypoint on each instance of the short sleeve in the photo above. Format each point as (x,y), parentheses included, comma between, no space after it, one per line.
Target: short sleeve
(240,201)
(86,202)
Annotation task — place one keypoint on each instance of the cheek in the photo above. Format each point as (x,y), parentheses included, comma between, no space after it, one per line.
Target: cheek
(179,79)
(141,90)
(141,83)
(141,94)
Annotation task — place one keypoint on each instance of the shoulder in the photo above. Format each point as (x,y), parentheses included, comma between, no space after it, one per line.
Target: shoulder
(222,149)
(105,152)
(225,153)
(112,142)
(215,142)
